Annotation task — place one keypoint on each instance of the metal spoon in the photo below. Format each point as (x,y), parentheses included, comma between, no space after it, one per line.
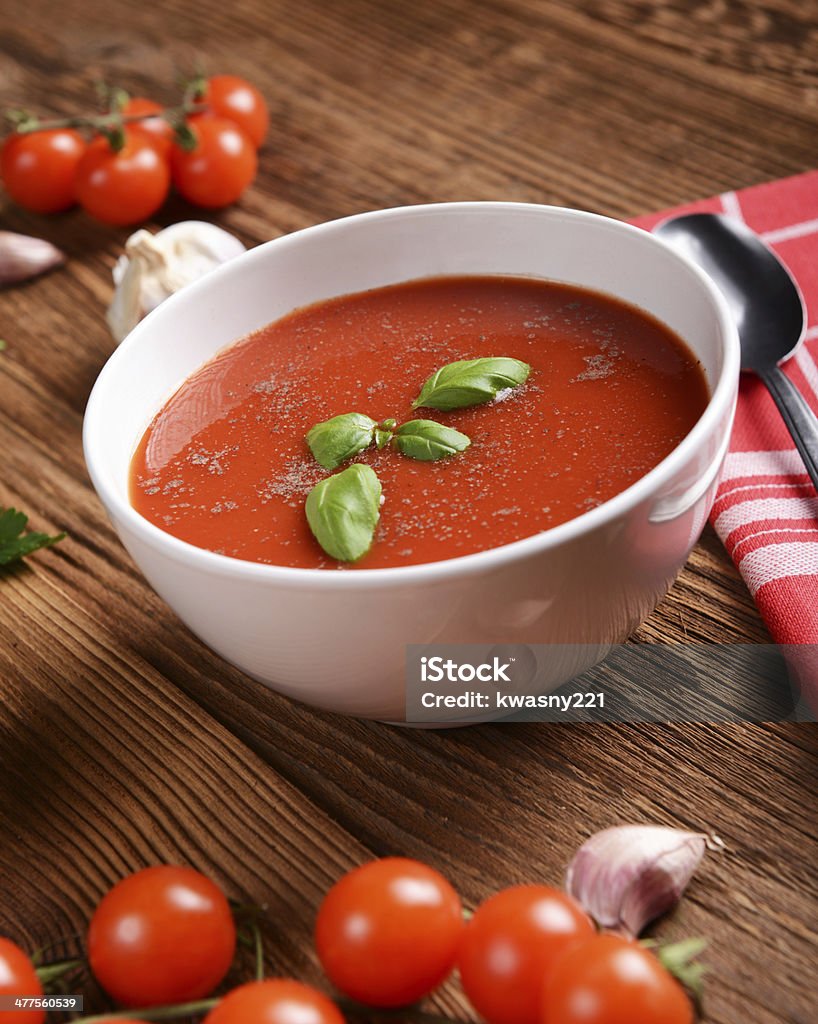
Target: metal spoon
(766,304)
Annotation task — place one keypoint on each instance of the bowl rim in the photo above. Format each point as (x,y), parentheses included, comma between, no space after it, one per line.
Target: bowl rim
(180,551)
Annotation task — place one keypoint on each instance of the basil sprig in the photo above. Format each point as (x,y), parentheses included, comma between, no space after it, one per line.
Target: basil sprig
(334,441)
(343,512)
(429,441)
(471,382)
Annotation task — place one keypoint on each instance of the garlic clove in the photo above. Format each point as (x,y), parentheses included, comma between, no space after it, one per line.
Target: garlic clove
(213,242)
(155,266)
(626,876)
(126,308)
(23,257)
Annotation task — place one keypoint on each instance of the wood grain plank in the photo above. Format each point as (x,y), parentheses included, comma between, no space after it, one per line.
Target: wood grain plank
(108,768)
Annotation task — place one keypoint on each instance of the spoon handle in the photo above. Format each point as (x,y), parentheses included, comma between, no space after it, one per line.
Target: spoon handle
(801,421)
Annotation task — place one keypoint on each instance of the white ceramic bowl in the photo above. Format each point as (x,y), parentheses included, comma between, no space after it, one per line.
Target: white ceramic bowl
(337,639)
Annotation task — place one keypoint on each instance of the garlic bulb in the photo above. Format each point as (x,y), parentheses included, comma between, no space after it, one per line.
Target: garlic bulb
(156,266)
(625,877)
(23,257)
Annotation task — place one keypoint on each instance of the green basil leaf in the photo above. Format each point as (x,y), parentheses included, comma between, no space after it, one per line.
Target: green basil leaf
(343,511)
(384,432)
(471,382)
(429,441)
(334,441)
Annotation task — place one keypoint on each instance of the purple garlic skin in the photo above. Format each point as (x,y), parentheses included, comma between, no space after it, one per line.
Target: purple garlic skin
(23,257)
(626,876)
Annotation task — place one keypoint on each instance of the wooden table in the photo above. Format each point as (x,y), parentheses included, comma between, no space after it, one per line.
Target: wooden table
(123,740)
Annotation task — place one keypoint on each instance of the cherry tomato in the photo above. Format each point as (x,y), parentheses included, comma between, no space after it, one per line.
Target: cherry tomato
(162,935)
(219,168)
(510,945)
(611,980)
(387,933)
(276,1001)
(124,187)
(155,129)
(39,168)
(18,978)
(239,101)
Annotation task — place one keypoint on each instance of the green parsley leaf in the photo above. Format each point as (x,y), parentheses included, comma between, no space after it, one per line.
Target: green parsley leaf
(14,544)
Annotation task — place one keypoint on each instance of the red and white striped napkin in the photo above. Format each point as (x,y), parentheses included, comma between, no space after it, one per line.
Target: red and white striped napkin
(766,509)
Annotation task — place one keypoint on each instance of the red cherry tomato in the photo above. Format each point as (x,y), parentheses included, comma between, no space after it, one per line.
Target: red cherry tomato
(387,933)
(611,980)
(239,101)
(155,129)
(39,168)
(510,946)
(276,1001)
(219,168)
(18,978)
(124,187)
(162,935)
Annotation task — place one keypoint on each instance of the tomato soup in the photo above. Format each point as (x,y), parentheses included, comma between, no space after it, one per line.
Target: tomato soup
(224,465)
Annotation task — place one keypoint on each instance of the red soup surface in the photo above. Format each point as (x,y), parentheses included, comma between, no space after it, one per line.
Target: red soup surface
(224,464)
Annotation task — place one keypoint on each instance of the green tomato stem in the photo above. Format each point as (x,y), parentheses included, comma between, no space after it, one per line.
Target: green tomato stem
(153,1012)
(107,123)
(259,947)
(51,972)
(406,1015)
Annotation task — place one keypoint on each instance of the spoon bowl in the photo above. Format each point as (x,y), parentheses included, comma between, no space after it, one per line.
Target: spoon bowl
(766,304)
